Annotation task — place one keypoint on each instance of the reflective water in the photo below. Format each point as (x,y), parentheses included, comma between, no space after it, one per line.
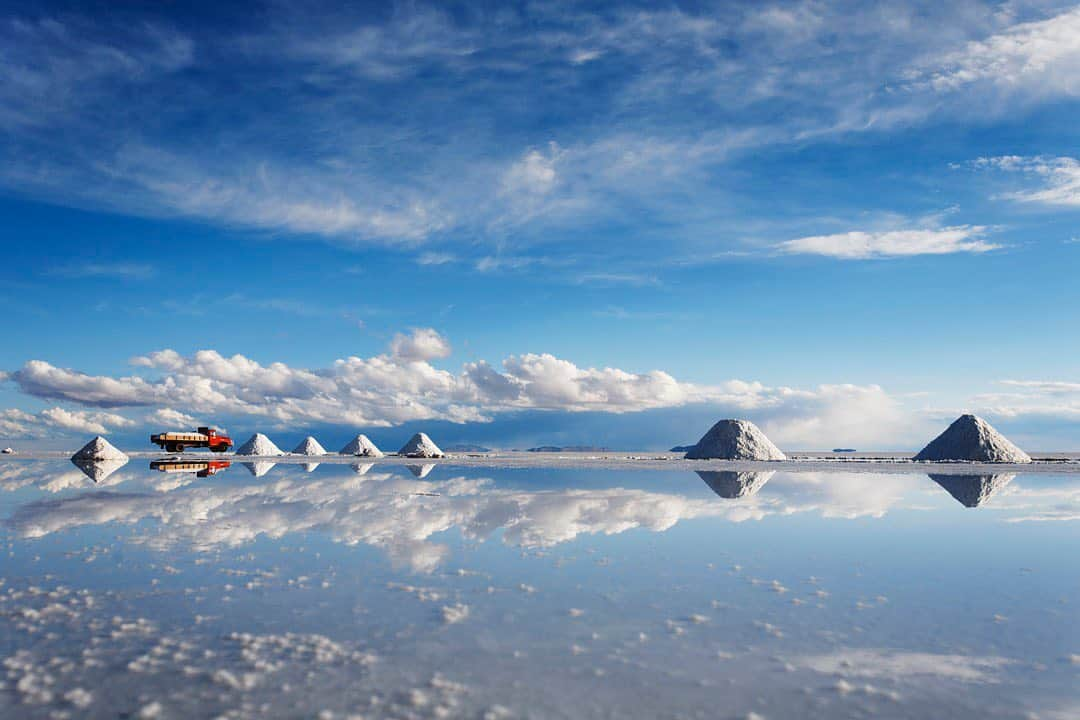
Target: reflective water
(439,591)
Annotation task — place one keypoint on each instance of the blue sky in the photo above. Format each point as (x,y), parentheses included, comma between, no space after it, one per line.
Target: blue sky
(587,223)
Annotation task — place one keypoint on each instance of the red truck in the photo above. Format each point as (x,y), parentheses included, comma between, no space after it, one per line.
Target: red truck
(206,437)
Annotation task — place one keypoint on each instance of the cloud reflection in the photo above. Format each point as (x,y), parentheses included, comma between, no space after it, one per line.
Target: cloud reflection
(403,515)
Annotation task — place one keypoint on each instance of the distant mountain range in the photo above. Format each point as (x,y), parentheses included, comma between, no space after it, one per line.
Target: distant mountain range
(465,448)
(681,448)
(567,448)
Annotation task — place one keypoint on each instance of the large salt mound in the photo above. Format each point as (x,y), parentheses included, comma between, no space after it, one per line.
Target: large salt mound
(731,484)
(309,446)
(973,490)
(735,440)
(99,449)
(972,439)
(259,445)
(420,446)
(362,446)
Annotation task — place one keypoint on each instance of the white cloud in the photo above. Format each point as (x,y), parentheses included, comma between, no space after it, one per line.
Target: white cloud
(18,423)
(83,421)
(435,258)
(402,385)
(422,345)
(644,140)
(1042,57)
(859,245)
(1057,400)
(1060,178)
(172,418)
(50,66)
(533,174)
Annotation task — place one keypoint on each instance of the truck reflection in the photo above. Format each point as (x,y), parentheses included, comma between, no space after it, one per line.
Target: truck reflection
(200,468)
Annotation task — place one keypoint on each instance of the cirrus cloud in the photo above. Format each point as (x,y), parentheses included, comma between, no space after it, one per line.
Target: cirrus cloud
(860,245)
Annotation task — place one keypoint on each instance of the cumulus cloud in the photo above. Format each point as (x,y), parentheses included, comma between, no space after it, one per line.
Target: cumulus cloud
(172,418)
(421,345)
(41,379)
(402,385)
(17,423)
(83,421)
(859,245)
(1042,57)
(1059,176)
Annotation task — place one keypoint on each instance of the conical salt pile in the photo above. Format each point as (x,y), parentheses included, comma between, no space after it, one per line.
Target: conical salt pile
(420,446)
(972,439)
(310,446)
(973,490)
(731,485)
(361,468)
(99,470)
(421,471)
(259,445)
(258,469)
(98,449)
(362,446)
(735,440)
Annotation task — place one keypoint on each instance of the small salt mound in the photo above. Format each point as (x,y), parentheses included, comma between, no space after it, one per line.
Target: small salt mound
(735,440)
(972,439)
(730,484)
(420,446)
(309,446)
(258,469)
(259,445)
(362,446)
(8,451)
(421,471)
(99,470)
(99,449)
(973,490)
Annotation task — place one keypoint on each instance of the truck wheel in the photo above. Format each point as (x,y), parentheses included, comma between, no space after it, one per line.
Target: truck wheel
(169,447)
(178,447)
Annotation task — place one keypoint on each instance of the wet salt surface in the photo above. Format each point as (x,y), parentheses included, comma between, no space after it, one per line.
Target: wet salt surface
(501,592)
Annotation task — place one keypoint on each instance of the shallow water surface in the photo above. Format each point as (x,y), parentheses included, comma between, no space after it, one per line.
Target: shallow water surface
(445,591)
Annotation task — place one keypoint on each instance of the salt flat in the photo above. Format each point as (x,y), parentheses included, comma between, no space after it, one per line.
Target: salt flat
(364,590)
(885,462)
